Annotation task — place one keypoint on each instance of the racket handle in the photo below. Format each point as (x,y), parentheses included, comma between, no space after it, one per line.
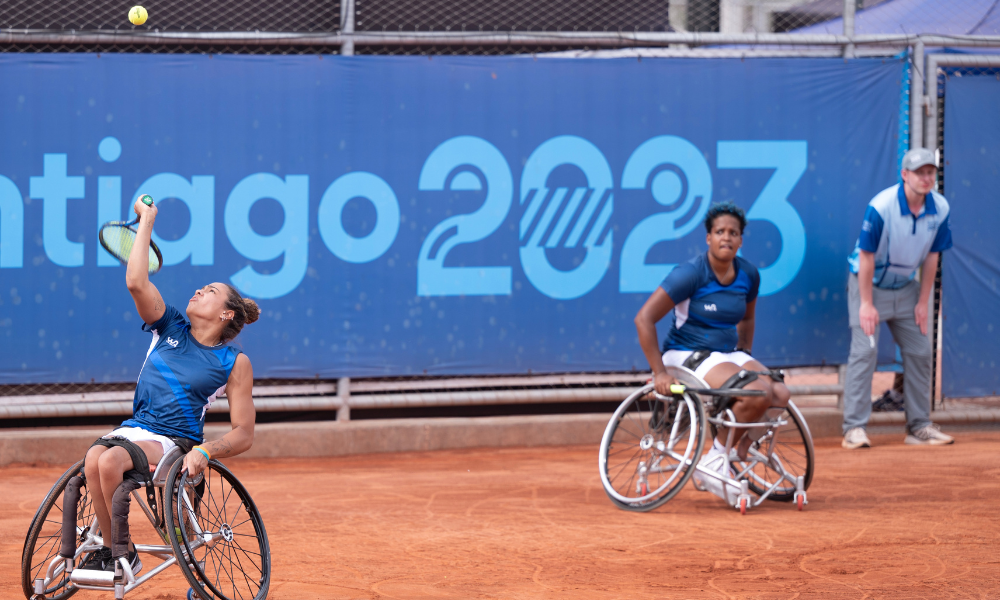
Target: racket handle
(146,199)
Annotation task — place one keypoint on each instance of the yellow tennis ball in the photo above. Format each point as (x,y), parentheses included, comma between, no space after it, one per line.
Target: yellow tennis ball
(137,15)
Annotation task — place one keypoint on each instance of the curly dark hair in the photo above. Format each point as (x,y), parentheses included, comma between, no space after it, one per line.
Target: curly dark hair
(245,311)
(725,208)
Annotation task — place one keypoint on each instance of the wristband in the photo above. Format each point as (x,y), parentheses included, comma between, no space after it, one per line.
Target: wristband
(203,451)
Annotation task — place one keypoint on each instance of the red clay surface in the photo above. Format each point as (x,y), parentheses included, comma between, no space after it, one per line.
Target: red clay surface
(891,522)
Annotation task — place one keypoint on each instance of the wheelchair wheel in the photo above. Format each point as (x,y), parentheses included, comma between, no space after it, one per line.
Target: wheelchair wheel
(219,538)
(649,448)
(791,454)
(44,538)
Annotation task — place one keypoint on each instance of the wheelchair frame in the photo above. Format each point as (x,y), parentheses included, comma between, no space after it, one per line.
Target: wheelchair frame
(762,452)
(182,545)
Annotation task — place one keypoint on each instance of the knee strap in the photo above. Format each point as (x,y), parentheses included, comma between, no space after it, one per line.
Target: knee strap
(140,463)
(736,382)
(139,473)
(776,375)
(740,380)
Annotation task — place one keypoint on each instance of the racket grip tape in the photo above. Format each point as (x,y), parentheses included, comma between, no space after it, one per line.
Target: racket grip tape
(146,199)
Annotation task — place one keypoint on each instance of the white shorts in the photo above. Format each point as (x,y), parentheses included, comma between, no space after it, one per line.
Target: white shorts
(136,434)
(676,358)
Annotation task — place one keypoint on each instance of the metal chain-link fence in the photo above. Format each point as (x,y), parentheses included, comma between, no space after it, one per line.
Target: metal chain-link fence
(324,26)
(292,16)
(313,16)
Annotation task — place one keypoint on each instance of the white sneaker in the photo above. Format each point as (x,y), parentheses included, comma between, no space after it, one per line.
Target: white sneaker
(716,460)
(929,435)
(856,438)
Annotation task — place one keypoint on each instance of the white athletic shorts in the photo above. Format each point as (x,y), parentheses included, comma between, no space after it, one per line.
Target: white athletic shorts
(136,434)
(676,358)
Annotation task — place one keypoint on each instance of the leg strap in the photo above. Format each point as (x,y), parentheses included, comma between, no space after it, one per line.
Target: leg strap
(71,497)
(119,518)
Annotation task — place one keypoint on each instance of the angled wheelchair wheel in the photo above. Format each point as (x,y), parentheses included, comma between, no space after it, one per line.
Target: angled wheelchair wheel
(44,539)
(649,447)
(219,537)
(781,457)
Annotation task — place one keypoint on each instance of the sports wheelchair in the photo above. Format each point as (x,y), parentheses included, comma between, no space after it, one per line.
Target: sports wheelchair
(208,525)
(653,443)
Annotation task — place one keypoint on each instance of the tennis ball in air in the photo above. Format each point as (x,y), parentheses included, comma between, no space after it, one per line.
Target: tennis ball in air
(137,15)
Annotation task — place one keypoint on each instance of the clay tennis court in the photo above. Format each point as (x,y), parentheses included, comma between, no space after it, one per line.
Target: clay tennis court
(892,522)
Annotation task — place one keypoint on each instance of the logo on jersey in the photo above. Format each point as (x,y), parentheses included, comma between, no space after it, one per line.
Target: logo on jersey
(173,343)
(711,307)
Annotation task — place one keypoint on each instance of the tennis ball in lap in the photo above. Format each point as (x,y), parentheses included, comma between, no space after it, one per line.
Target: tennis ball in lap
(137,15)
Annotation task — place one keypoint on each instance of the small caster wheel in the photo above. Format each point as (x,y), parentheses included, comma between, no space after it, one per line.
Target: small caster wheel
(800,492)
(743,506)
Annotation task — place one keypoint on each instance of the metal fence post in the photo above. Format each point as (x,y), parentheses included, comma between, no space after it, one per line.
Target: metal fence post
(347,27)
(931,96)
(917,96)
(849,6)
(344,395)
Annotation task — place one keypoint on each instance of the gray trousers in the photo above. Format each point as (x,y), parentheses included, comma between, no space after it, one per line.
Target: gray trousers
(895,308)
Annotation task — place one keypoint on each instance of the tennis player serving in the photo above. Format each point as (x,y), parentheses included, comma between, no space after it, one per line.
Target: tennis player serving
(187,366)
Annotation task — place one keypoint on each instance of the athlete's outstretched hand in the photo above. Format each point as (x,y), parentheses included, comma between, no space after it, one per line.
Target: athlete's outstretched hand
(145,211)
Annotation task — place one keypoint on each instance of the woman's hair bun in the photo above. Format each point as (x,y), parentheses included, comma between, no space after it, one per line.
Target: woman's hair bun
(252,310)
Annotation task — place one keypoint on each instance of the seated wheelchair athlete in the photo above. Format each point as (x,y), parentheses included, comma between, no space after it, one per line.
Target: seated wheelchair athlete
(187,365)
(713,297)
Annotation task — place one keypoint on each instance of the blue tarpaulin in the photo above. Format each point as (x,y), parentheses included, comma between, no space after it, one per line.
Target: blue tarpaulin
(408,215)
(971,270)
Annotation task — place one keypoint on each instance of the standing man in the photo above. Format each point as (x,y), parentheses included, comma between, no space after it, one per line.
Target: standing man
(905,229)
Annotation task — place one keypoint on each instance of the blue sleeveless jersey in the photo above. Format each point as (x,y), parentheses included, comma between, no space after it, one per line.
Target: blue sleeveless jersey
(179,380)
(706,312)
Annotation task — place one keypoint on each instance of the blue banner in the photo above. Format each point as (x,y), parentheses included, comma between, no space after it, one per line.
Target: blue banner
(436,215)
(970,287)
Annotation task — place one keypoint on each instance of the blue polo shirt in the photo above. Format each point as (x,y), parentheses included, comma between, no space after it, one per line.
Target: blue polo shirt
(706,312)
(179,380)
(899,239)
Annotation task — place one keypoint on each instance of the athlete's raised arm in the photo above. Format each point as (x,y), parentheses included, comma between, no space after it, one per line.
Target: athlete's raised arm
(147,298)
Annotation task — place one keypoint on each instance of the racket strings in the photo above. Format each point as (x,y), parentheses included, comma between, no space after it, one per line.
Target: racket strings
(118,241)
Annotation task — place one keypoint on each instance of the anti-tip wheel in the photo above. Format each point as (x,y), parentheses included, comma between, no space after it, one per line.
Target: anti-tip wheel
(743,506)
(799,501)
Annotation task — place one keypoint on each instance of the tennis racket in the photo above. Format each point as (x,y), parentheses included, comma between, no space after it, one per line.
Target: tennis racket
(117,237)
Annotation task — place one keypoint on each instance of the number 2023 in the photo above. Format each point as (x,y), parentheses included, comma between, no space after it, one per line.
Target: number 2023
(671,168)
